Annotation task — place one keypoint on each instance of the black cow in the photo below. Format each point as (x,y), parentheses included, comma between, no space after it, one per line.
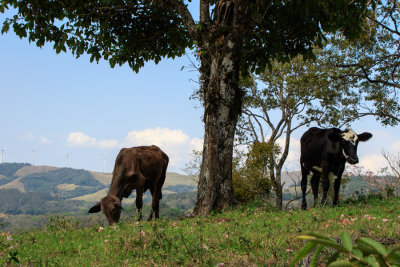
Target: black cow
(139,168)
(325,151)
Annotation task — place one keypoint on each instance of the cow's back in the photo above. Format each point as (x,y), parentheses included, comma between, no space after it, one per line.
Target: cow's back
(315,145)
(312,147)
(148,160)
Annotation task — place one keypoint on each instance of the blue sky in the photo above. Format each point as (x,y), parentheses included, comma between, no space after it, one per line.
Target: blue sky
(59,104)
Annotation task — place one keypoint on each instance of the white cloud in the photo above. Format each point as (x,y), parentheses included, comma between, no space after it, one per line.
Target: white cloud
(28,136)
(395,146)
(196,144)
(293,158)
(373,162)
(108,144)
(45,140)
(162,137)
(177,144)
(80,139)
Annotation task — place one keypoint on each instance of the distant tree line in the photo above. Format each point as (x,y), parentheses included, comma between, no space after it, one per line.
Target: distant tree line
(9,169)
(13,201)
(48,181)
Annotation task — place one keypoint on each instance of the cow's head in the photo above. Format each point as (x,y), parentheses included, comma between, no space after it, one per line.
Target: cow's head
(111,207)
(348,143)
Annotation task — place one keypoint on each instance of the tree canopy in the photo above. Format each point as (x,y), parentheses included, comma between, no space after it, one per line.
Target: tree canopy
(135,32)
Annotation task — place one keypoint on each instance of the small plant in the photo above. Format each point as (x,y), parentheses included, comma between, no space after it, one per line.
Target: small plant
(59,222)
(365,251)
(12,256)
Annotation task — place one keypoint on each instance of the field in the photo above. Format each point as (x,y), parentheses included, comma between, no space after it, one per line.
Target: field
(252,235)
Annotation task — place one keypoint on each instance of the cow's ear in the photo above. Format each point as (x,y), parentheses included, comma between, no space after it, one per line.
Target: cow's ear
(95,208)
(335,137)
(118,204)
(364,136)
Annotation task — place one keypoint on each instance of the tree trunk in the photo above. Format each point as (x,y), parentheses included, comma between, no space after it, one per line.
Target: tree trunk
(278,192)
(222,101)
(220,65)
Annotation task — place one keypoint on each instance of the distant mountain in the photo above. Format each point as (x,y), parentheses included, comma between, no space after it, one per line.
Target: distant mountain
(75,184)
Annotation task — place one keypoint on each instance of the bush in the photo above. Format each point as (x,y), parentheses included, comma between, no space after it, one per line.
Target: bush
(251,179)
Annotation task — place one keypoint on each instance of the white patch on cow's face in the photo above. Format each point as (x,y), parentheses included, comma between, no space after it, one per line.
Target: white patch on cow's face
(350,136)
(344,154)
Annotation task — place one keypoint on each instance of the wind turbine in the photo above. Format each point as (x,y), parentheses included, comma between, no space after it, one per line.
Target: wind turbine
(103,158)
(2,154)
(67,154)
(34,154)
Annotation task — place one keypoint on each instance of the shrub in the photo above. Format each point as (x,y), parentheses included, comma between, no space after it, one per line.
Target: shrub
(251,179)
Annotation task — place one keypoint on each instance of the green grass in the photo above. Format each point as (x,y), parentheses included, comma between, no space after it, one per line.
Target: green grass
(252,235)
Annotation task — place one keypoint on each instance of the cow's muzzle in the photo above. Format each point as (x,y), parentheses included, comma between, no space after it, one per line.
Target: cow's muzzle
(352,160)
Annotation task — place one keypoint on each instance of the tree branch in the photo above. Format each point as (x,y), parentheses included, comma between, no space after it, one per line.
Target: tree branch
(187,18)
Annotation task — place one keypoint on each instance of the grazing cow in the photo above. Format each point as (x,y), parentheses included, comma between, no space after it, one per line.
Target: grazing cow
(325,152)
(139,168)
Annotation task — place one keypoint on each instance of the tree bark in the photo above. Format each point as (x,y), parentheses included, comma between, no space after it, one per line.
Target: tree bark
(278,191)
(222,101)
(222,98)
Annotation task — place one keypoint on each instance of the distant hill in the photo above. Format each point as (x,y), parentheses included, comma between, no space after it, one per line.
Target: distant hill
(75,184)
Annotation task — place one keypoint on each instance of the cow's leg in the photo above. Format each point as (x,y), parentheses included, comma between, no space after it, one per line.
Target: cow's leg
(337,186)
(316,176)
(152,200)
(325,184)
(155,204)
(304,177)
(157,195)
(139,201)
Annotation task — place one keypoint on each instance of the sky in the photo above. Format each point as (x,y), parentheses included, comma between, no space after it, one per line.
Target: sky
(56,107)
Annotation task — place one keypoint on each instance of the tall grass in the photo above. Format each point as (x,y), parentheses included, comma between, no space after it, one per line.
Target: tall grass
(246,236)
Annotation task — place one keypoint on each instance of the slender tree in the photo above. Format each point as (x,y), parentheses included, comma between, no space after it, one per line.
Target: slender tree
(231,37)
(280,101)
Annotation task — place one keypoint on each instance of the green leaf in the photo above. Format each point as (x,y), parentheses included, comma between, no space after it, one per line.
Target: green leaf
(306,237)
(333,258)
(358,253)
(341,263)
(303,252)
(372,261)
(378,247)
(314,260)
(394,254)
(366,249)
(5,28)
(330,243)
(346,240)
(318,235)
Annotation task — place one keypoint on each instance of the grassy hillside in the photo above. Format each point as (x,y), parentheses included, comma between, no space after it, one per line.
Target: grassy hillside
(249,236)
(73,183)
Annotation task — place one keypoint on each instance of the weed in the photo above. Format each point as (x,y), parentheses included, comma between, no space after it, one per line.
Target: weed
(60,222)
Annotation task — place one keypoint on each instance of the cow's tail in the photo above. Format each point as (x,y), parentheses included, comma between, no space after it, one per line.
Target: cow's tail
(164,173)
